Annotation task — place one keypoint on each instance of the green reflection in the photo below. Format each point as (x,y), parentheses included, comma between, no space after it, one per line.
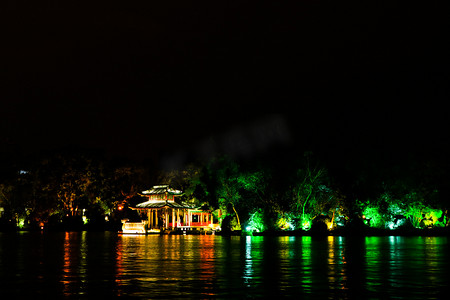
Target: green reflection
(396,261)
(307,267)
(373,264)
(253,261)
(248,266)
(405,267)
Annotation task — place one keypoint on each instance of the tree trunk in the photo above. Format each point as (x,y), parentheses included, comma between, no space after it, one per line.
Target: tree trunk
(304,204)
(237,216)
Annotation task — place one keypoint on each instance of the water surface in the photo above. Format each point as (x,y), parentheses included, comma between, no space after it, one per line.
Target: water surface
(82,265)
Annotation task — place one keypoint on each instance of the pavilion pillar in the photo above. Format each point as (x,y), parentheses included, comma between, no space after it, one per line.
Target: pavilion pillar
(159,216)
(153,219)
(166,219)
(173,218)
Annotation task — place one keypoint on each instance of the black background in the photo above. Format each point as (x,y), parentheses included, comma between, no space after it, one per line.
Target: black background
(148,81)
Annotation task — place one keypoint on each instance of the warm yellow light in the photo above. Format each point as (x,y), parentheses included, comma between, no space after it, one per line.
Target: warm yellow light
(329,225)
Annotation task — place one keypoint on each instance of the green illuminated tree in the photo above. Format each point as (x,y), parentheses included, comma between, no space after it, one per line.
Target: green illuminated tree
(309,192)
(375,211)
(235,191)
(313,196)
(217,185)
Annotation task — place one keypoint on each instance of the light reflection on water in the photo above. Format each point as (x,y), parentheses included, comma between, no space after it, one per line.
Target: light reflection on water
(407,267)
(105,264)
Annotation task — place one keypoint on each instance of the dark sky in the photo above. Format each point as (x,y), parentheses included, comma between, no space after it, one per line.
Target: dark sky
(167,81)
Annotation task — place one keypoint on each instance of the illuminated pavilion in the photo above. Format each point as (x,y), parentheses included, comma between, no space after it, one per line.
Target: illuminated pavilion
(161,212)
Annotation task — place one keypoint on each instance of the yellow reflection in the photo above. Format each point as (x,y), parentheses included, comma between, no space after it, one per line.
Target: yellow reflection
(166,260)
(66,265)
(331,261)
(337,275)
(431,258)
(285,256)
(82,267)
(207,258)
(119,267)
(75,263)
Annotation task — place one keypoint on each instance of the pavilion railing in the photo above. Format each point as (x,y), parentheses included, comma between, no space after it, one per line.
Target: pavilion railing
(133,227)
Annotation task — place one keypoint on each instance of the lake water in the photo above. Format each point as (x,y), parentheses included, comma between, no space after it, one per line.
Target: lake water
(86,265)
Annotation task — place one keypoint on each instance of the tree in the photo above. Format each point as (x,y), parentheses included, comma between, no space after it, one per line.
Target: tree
(188,180)
(229,188)
(63,184)
(14,201)
(308,191)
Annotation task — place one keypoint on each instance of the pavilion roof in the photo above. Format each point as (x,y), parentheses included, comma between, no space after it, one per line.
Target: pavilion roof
(161,204)
(162,189)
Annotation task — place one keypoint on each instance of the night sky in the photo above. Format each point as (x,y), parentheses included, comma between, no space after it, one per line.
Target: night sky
(177,81)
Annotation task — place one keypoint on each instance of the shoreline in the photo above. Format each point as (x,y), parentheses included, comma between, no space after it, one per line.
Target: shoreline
(366,232)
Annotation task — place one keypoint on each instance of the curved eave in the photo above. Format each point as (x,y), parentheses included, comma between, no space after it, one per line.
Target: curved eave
(162,190)
(161,204)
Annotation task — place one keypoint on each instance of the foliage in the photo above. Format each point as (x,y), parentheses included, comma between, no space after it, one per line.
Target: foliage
(65,185)
(186,179)
(286,221)
(229,188)
(256,222)
(389,212)
(254,197)
(312,195)
(373,217)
